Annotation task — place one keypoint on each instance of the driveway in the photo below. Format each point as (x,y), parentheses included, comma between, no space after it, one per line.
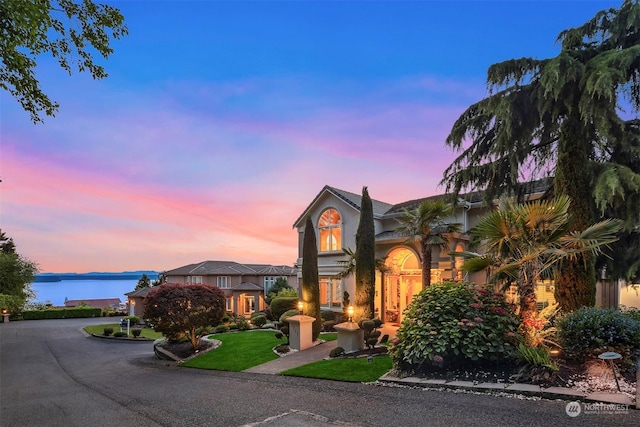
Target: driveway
(52,374)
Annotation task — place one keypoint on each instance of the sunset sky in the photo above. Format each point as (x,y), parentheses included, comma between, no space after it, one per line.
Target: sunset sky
(220,122)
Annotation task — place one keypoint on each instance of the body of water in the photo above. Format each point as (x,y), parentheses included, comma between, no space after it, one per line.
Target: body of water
(56,292)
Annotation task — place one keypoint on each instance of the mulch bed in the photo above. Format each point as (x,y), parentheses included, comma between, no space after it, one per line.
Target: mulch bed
(505,372)
(184,350)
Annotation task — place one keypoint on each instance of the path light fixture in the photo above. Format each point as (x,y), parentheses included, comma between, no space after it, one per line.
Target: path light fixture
(350,313)
(300,306)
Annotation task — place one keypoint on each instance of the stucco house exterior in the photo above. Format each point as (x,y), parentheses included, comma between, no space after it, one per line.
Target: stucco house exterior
(244,285)
(336,215)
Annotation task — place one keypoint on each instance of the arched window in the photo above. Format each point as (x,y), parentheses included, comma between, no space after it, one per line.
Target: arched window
(330,230)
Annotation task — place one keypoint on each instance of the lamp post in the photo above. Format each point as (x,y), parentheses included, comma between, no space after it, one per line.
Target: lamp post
(350,313)
(300,306)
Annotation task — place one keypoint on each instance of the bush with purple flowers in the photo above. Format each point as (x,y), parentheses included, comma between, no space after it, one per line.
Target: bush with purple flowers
(452,322)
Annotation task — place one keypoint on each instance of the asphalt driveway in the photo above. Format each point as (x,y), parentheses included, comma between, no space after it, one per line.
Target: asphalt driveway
(52,374)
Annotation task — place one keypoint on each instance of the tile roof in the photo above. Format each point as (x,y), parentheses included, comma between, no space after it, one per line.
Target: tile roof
(139,293)
(246,286)
(231,268)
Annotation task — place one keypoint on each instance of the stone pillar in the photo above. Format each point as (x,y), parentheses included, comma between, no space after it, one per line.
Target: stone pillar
(5,318)
(300,332)
(350,336)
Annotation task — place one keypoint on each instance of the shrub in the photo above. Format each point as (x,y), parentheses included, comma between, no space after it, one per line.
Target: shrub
(233,326)
(280,305)
(136,332)
(287,314)
(242,324)
(133,320)
(108,331)
(328,326)
(538,367)
(62,313)
(456,323)
(589,331)
(220,329)
(371,334)
(259,321)
(632,312)
(328,315)
(336,352)
(119,334)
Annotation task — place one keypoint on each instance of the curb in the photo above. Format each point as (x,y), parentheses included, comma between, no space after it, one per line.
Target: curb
(122,339)
(563,393)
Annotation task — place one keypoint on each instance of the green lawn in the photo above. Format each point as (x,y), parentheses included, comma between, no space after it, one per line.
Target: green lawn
(348,369)
(239,351)
(242,350)
(99,330)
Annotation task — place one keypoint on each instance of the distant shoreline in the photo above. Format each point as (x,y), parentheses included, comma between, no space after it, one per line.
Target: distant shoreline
(58,277)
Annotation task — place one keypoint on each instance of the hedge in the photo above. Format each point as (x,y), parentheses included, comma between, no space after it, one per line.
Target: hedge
(62,313)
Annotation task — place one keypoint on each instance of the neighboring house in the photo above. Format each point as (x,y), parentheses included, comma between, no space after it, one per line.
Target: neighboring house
(244,285)
(113,303)
(135,301)
(336,215)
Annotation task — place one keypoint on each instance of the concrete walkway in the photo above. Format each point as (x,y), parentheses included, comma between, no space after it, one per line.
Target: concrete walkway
(295,359)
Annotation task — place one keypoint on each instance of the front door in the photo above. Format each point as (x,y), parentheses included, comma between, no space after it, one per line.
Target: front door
(249,304)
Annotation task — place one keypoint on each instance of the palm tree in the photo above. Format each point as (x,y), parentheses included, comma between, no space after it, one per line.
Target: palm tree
(425,225)
(561,117)
(525,242)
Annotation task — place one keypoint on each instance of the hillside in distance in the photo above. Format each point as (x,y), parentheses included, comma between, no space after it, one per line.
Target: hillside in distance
(125,275)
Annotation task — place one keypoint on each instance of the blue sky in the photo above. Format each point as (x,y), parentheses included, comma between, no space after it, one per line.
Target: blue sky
(220,121)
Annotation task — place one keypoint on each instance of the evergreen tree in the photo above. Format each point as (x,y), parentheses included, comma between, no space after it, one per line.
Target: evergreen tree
(144,282)
(561,117)
(310,279)
(365,264)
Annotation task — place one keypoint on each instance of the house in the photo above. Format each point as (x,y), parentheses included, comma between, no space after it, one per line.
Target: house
(113,303)
(335,214)
(244,285)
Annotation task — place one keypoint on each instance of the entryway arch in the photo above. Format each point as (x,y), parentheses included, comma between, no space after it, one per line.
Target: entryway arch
(402,280)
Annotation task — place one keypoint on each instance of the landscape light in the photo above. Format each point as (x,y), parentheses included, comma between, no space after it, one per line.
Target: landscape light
(300,306)
(350,312)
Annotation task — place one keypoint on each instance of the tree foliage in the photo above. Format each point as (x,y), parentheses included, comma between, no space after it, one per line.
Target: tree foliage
(562,117)
(16,275)
(310,279)
(70,31)
(143,282)
(365,261)
(426,226)
(178,309)
(280,285)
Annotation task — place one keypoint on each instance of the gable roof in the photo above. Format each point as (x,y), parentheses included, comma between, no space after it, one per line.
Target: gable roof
(231,268)
(142,292)
(351,199)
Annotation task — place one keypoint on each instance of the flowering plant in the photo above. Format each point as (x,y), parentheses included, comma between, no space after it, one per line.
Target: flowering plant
(452,321)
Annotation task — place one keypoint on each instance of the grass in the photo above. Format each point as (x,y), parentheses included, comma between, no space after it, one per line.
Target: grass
(99,330)
(239,351)
(347,369)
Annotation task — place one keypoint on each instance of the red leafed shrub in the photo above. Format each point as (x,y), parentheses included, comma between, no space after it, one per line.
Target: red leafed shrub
(176,309)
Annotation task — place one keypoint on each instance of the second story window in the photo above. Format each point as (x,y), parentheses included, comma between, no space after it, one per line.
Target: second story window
(330,230)
(223,282)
